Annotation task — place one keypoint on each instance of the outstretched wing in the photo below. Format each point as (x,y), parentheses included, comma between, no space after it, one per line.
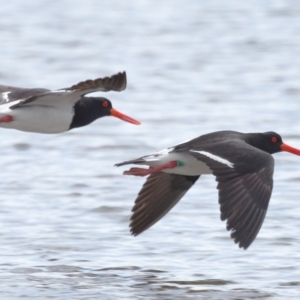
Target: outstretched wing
(159,194)
(116,82)
(245,185)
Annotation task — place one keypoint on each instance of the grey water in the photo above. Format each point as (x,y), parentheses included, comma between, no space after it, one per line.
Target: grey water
(193,67)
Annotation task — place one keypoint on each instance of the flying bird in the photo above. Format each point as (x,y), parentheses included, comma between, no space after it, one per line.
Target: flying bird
(241,163)
(45,111)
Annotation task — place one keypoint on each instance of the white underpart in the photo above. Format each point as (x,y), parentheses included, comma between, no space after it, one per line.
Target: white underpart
(191,165)
(51,113)
(216,158)
(5,96)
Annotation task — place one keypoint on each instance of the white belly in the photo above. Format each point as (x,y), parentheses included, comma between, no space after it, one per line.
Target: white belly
(191,166)
(38,118)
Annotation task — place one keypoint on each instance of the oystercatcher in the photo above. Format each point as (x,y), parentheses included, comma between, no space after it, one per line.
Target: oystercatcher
(243,167)
(45,111)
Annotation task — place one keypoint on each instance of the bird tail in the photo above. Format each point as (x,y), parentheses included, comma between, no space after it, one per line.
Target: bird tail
(128,162)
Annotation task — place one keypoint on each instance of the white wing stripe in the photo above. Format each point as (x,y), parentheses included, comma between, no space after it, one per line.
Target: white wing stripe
(216,158)
(5,96)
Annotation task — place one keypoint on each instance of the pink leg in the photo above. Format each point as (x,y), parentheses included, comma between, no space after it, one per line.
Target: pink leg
(145,172)
(6,119)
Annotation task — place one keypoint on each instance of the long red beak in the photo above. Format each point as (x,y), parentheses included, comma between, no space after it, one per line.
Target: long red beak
(287,148)
(123,117)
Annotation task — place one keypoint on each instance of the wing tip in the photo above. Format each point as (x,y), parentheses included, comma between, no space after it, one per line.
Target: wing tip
(241,244)
(133,232)
(116,82)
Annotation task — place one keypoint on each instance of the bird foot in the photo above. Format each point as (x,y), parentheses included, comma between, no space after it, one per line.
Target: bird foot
(145,172)
(6,119)
(137,172)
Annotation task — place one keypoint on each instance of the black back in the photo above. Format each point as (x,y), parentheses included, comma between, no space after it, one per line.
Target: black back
(268,141)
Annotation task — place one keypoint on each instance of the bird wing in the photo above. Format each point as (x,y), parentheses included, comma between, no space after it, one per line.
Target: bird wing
(6,88)
(116,82)
(159,194)
(245,187)
(10,94)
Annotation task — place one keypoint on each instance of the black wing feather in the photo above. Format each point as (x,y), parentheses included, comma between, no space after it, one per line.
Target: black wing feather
(115,82)
(159,194)
(244,189)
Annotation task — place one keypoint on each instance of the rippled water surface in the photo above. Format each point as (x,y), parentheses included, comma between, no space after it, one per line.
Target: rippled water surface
(193,67)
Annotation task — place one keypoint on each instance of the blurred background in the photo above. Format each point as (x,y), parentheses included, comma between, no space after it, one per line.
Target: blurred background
(193,67)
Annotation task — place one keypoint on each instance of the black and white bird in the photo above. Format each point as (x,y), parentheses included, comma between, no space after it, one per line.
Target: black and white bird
(242,164)
(45,111)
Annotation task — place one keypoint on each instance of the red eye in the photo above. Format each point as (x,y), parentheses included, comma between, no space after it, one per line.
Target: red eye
(274,139)
(105,103)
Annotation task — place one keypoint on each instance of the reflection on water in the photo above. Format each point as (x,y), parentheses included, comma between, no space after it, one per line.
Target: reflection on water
(192,68)
(150,284)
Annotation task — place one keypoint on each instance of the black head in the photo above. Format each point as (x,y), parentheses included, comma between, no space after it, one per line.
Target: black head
(89,109)
(270,142)
(100,106)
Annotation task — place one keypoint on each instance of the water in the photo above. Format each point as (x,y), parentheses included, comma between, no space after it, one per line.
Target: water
(193,67)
